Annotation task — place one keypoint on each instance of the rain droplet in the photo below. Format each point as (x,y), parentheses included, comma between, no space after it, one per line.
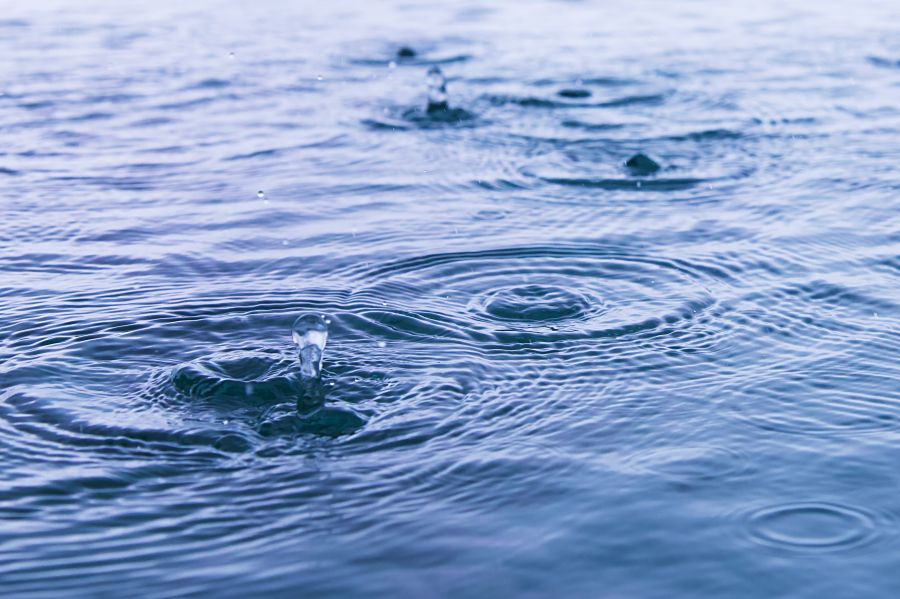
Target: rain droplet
(319,77)
(261,194)
(392,65)
(310,333)
(382,344)
(231,55)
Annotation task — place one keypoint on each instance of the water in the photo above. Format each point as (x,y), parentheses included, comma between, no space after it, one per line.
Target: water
(549,373)
(310,334)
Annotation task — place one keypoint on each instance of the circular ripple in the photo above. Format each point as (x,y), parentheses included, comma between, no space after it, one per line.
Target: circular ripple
(822,401)
(688,463)
(560,290)
(239,375)
(813,526)
(536,303)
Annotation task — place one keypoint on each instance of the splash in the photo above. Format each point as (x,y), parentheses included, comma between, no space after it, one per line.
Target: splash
(310,333)
(437,91)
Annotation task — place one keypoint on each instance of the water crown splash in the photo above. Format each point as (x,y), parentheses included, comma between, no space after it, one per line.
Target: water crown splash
(310,333)
(437,90)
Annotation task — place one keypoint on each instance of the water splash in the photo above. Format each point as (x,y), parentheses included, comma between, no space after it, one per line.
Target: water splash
(437,90)
(310,333)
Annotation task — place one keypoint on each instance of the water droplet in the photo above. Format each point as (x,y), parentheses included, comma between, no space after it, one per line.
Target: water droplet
(231,55)
(284,242)
(392,65)
(382,344)
(310,334)
(319,77)
(260,194)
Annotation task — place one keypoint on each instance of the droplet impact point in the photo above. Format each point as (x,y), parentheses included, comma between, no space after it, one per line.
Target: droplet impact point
(310,334)
(437,90)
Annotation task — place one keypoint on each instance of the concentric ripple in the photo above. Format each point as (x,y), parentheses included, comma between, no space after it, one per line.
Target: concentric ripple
(814,526)
(832,401)
(688,463)
(241,376)
(537,303)
(583,289)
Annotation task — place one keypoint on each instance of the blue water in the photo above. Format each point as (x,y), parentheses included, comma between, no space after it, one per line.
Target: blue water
(547,374)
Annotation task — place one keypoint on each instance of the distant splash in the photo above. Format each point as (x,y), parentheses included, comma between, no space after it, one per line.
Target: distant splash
(437,112)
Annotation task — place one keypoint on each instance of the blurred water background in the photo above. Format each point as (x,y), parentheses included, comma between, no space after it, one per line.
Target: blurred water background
(548,374)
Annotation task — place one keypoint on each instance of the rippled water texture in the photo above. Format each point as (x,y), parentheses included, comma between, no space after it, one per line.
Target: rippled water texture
(618,320)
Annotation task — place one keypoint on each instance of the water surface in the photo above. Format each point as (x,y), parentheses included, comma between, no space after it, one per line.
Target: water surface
(548,374)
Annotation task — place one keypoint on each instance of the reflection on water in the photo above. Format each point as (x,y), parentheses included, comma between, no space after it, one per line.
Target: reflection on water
(609,296)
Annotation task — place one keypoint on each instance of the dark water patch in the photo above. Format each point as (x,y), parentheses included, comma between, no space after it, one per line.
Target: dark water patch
(417,61)
(423,118)
(641,164)
(657,184)
(575,124)
(574,93)
(211,83)
(538,102)
(37,104)
(880,61)
(153,122)
(329,142)
(413,56)
(378,125)
(636,100)
(599,81)
(90,116)
(111,98)
(120,183)
(707,135)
